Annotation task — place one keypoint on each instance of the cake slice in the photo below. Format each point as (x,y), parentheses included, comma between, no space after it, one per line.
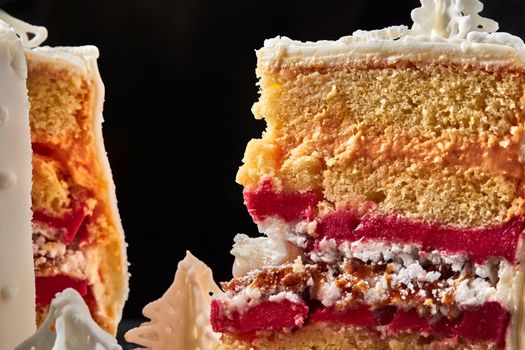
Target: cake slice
(77,234)
(78,240)
(389,185)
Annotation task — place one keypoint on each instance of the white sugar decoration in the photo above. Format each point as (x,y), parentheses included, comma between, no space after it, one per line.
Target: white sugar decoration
(453,19)
(180,318)
(30,35)
(69,326)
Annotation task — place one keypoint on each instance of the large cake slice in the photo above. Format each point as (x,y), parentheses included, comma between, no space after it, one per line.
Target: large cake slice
(78,240)
(389,184)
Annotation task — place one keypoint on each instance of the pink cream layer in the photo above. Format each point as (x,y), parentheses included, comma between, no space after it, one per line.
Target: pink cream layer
(488,322)
(479,243)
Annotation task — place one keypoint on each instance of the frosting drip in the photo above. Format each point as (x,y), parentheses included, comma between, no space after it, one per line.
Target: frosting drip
(453,19)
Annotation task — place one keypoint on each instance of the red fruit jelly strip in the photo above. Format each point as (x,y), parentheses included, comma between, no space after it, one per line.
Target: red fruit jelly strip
(263,202)
(487,322)
(42,149)
(479,243)
(48,287)
(70,221)
(360,315)
(268,315)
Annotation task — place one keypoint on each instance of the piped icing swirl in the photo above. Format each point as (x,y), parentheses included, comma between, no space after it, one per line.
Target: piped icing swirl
(453,19)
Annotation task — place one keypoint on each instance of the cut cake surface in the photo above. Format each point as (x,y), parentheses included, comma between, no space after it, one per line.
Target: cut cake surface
(77,234)
(389,185)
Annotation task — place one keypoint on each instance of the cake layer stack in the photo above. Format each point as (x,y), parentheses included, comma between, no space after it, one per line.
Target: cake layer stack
(389,186)
(77,235)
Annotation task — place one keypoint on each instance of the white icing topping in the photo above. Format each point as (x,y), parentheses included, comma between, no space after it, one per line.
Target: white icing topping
(82,59)
(69,326)
(89,55)
(442,29)
(180,319)
(25,30)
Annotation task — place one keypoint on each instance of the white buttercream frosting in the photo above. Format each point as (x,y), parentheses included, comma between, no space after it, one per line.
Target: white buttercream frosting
(442,29)
(451,19)
(181,318)
(69,326)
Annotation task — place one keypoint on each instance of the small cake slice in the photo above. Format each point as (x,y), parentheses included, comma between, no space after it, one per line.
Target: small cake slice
(78,240)
(389,184)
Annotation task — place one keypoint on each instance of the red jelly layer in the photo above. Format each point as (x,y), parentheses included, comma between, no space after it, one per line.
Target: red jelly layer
(479,243)
(263,202)
(48,287)
(43,149)
(361,316)
(488,322)
(70,222)
(268,316)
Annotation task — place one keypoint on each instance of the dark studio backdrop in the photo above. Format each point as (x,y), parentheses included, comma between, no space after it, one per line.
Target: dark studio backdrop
(180,82)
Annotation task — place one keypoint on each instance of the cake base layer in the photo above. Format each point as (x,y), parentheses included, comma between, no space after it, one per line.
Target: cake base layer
(322,336)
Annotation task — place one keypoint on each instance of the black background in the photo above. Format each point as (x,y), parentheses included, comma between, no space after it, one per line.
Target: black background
(180,82)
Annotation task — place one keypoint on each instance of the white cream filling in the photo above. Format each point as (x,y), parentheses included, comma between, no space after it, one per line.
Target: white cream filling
(242,301)
(283,243)
(282,296)
(495,280)
(52,257)
(408,262)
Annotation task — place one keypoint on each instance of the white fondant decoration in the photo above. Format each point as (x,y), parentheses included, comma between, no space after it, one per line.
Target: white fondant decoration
(69,326)
(451,19)
(31,35)
(17,279)
(180,320)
